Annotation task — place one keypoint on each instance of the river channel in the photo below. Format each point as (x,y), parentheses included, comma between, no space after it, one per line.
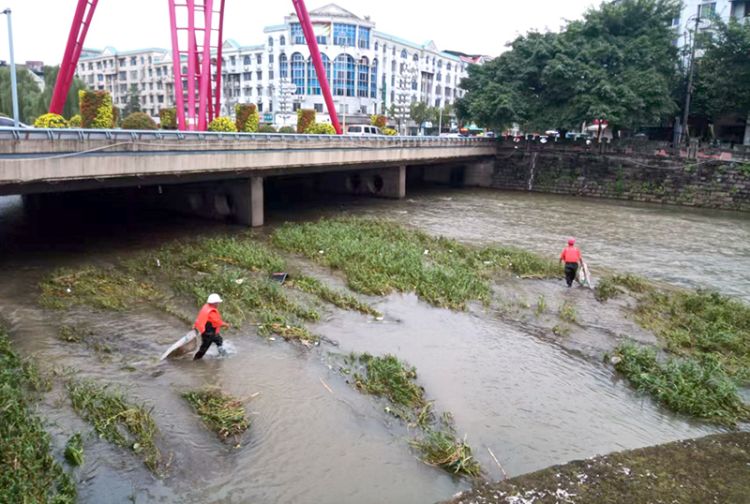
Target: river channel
(529,400)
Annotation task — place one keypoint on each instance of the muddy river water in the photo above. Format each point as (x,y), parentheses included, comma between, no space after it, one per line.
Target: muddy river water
(529,400)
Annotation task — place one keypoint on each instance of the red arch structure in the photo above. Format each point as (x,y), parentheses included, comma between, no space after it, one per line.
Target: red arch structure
(197,39)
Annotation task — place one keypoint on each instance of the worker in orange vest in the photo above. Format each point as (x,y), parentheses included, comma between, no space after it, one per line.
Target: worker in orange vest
(209,324)
(571,256)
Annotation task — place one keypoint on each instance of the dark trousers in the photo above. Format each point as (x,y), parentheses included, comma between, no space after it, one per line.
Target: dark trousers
(206,339)
(570,272)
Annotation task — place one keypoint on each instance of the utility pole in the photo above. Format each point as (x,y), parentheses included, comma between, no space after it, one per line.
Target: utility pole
(689,91)
(13,83)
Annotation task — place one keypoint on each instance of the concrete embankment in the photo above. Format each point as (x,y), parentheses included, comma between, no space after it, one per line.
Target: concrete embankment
(710,469)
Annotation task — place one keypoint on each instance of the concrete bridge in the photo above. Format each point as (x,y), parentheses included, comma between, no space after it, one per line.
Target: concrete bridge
(221,174)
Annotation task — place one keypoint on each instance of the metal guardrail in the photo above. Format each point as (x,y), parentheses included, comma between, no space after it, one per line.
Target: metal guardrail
(119,135)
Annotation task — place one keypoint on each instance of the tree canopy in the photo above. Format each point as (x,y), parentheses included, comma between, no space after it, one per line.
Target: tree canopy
(618,63)
(722,73)
(32,100)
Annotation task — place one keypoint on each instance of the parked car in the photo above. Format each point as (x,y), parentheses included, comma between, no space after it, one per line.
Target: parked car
(7,122)
(363,130)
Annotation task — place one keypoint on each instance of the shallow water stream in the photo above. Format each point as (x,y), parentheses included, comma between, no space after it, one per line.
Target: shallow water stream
(530,400)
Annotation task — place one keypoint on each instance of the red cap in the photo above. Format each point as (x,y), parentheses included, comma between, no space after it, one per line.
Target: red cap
(571,241)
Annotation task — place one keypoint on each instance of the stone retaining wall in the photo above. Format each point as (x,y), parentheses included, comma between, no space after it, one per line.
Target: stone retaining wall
(709,183)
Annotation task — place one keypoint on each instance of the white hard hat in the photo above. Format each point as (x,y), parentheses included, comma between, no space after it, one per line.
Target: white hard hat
(213,299)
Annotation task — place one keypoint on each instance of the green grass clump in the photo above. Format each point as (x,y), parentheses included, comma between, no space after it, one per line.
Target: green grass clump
(116,419)
(697,387)
(381,257)
(441,448)
(541,305)
(700,323)
(316,287)
(388,377)
(611,286)
(222,413)
(567,312)
(29,471)
(74,450)
(105,289)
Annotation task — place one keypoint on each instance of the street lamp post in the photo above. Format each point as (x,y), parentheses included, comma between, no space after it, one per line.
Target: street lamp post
(13,83)
(691,74)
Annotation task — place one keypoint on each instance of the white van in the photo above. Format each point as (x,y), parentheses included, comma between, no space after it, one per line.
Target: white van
(363,130)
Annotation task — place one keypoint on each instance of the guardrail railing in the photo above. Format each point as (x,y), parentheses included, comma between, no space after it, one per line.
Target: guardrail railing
(22,134)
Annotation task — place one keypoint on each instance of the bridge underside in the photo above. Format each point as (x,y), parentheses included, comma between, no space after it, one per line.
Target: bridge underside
(242,198)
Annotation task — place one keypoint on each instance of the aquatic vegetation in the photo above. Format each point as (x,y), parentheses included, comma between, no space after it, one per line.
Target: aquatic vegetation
(394,380)
(441,448)
(29,471)
(561,330)
(567,312)
(541,305)
(74,450)
(696,386)
(105,289)
(700,323)
(388,377)
(69,334)
(345,301)
(222,413)
(611,286)
(116,419)
(381,257)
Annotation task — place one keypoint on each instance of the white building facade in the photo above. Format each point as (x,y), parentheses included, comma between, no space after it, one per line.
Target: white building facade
(705,10)
(369,72)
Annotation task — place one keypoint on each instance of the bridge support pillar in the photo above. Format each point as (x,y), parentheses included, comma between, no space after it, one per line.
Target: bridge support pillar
(247,198)
(394,182)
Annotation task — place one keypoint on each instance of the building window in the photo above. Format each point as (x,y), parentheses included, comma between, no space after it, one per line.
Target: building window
(298,73)
(414,84)
(343,75)
(246,60)
(270,41)
(283,66)
(344,34)
(393,66)
(440,63)
(298,36)
(259,74)
(259,58)
(374,79)
(260,104)
(363,76)
(448,66)
(404,54)
(247,76)
(270,75)
(313,86)
(232,60)
(385,48)
(364,38)
(707,10)
(376,46)
(133,61)
(296,106)
(282,40)
(318,107)
(439,77)
(270,59)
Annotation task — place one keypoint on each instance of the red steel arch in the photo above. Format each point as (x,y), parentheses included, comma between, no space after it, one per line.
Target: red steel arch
(197,39)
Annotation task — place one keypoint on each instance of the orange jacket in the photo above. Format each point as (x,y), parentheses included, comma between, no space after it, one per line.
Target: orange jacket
(208,314)
(570,254)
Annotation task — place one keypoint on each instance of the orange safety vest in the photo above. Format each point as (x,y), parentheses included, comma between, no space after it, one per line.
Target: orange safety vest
(208,314)
(570,254)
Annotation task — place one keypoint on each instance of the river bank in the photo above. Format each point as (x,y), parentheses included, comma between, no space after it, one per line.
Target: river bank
(710,469)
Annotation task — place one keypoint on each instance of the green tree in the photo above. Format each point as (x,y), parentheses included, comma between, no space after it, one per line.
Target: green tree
(617,63)
(420,112)
(71,107)
(28,95)
(722,74)
(134,101)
